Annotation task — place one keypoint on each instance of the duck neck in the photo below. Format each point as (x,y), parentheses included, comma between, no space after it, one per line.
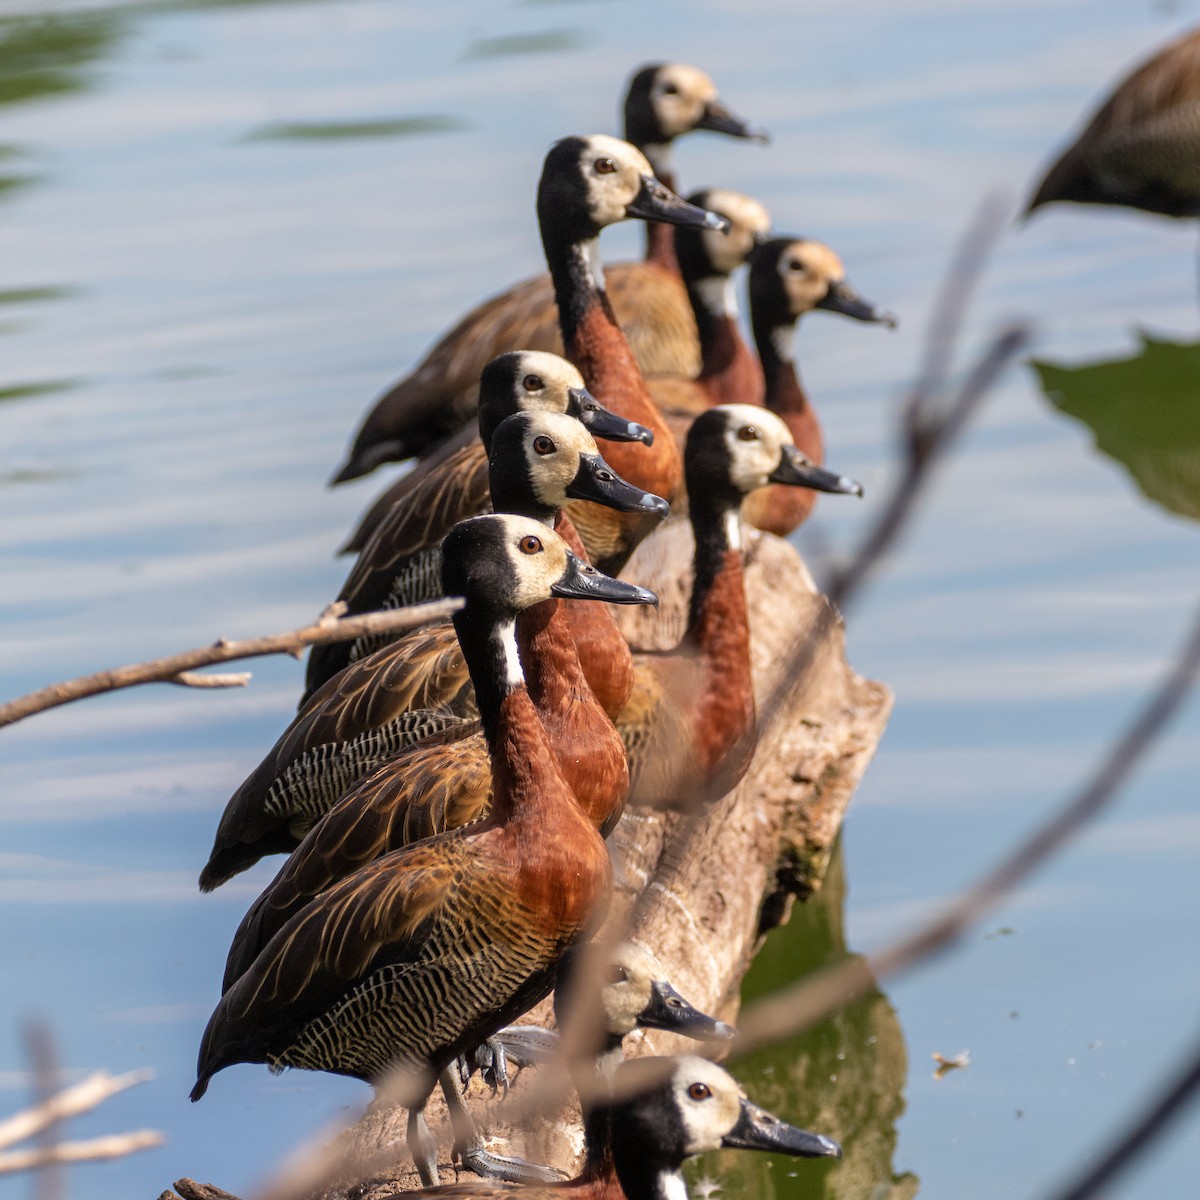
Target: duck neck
(729,371)
(595,344)
(552,671)
(718,633)
(642,1167)
(785,393)
(522,761)
(597,1123)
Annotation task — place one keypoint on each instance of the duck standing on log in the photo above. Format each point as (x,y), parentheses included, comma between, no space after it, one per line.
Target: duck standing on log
(664,101)
(397,970)
(666,1111)
(400,563)
(417,687)
(788,278)
(689,726)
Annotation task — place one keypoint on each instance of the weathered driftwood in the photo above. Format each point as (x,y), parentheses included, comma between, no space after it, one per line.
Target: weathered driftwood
(710,897)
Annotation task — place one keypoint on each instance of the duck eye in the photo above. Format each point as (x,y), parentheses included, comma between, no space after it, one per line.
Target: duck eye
(530,544)
(796,265)
(670,89)
(748,433)
(605,166)
(699,1091)
(532,383)
(543,445)
(616,974)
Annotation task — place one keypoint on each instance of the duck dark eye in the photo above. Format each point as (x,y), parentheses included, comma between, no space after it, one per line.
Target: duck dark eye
(532,383)
(748,433)
(616,974)
(670,89)
(796,265)
(699,1091)
(543,445)
(605,166)
(530,544)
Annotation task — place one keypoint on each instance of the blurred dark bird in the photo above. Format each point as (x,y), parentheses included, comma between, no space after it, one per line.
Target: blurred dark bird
(1142,148)
(664,102)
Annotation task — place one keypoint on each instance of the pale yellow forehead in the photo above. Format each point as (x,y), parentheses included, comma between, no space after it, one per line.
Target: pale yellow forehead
(627,157)
(564,430)
(689,80)
(552,368)
(817,257)
(771,427)
(744,211)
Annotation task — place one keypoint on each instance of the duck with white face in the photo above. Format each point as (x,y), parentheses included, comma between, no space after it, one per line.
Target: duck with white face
(664,1111)
(664,102)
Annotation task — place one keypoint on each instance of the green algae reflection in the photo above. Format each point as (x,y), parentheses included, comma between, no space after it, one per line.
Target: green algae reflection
(843,1078)
(1144,412)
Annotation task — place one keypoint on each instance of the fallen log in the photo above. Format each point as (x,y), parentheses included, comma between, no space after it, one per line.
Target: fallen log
(712,896)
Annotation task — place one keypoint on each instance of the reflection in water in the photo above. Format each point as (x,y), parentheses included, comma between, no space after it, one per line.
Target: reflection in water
(1144,412)
(334,130)
(844,1078)
(49,56)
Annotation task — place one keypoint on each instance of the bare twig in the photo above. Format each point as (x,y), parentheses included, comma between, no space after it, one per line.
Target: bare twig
(191,1189)
(80,1098)
(1142,1132)
(175,668)
(116,1145)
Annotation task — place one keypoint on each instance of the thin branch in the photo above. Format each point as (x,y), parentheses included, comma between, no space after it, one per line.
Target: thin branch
(801,1005)
(116,1145)
(73,1101)
(329,627)
(1142,1133)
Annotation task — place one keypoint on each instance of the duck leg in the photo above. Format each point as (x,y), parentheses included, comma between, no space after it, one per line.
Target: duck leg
(422,1147)
(468,1142)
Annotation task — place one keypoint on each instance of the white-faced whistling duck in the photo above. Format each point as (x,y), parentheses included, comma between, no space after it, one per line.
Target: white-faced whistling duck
(1142,149)
(602,994)
(442,782)
(663,102)
(400,564)
(509,384)
(788,278)
(729,372)
(588,183)
(421,955)
(667,1111)
(417,686)
(689,727)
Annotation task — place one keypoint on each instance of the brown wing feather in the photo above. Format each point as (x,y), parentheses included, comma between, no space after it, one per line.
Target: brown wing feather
(442,394)
(444,784)
(370,711)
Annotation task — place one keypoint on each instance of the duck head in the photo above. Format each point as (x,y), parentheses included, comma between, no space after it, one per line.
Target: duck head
(540,460)
(588,183)
(666,100)
(792,276)
(504,564)
(735,448)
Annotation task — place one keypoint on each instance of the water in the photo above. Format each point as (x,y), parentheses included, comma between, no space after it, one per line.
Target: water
(225,226)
